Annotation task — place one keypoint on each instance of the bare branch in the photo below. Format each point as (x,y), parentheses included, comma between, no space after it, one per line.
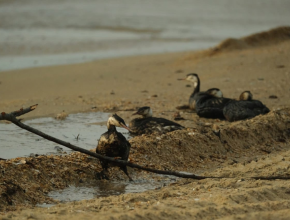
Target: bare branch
(12,117)
(5,116)
(14,120)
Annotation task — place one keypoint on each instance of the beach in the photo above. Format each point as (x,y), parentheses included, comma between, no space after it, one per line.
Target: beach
(254,147)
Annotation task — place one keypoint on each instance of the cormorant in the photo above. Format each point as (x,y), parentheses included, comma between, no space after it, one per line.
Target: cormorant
(148,124)
(113,144)
(210,104)
(244,108)
(196,94)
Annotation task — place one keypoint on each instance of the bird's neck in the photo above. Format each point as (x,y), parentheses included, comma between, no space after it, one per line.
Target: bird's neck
(111,127)
(196,87)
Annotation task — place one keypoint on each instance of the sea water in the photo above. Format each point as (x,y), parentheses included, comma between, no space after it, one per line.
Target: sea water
(41,33)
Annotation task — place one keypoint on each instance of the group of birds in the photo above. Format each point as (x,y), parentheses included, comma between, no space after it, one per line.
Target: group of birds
(212,104)
(208,104)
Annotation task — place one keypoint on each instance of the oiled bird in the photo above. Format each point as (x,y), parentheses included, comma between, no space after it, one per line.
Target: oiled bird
(148,124)
(244,108)
(210,104)
(113,144)
(196,94)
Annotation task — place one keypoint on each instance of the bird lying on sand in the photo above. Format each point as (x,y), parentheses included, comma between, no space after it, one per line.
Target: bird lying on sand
(197,94)
(113,144)
(210,104)
(148,124)
(244,108)
(192,77)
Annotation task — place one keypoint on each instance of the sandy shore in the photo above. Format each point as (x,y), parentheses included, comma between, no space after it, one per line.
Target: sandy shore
(258,146)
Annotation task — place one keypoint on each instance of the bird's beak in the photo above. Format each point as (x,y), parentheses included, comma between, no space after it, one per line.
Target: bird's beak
(181,79)
(125,126)
(136,113)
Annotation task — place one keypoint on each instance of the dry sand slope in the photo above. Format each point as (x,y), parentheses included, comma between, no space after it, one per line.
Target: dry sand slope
(255,147)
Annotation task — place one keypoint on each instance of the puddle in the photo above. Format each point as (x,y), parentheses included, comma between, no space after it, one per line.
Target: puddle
(107,188)
(16,142)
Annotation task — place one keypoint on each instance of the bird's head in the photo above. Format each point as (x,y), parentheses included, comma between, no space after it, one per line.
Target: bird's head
(145,111)
(215,92)
(117,121)
(192,77)
(246,96)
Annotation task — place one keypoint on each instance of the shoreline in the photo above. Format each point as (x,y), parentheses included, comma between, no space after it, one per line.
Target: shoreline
(123,83)
(42,33)
(15,62)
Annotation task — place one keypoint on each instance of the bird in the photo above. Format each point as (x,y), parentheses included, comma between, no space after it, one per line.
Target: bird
(148,124)
(195,95)
(113,144)
(210,104)
(244,108)
(193,77)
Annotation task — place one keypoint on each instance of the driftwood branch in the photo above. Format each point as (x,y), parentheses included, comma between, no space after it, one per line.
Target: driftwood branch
(8,117)
(12,118)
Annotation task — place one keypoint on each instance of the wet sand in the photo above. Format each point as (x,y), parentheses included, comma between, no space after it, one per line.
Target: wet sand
(255,147)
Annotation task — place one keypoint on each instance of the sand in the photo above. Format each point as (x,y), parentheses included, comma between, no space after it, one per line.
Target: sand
(255,147)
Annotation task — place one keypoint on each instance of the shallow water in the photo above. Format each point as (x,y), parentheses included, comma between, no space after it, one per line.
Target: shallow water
(40,33)
(107,188)
(16,142)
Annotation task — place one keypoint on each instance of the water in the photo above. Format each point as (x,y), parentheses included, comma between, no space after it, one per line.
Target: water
(16,142)
(39,33)
(108,188)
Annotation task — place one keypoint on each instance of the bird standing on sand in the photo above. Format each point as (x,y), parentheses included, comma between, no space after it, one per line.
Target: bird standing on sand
(244,108)
(148,124)
(113,144)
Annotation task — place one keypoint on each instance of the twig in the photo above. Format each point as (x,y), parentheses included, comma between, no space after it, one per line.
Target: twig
(77,137)
(12,117)
(5,116)
(270,177)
